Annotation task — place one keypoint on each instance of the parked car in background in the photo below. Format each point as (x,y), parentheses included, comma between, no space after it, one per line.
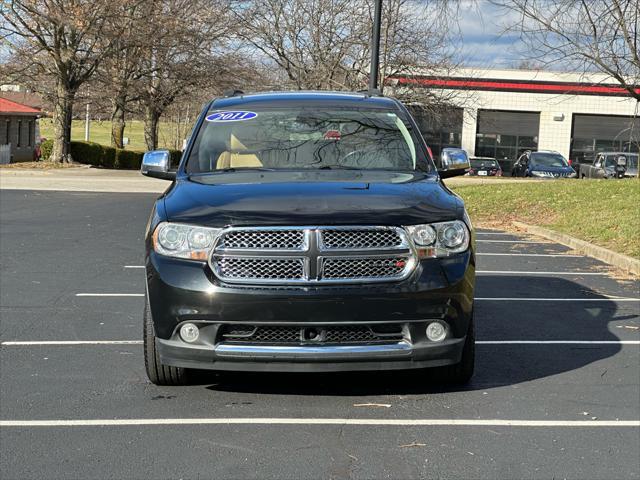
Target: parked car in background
(485,166)
(611,165)
(542,164)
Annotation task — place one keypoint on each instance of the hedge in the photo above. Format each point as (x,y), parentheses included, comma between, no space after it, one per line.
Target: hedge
(111,157)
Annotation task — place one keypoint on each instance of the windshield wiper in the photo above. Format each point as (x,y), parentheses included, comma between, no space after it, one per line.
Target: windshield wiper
(337,167)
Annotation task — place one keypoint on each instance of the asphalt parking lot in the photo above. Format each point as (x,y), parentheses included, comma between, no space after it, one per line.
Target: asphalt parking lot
(556,392)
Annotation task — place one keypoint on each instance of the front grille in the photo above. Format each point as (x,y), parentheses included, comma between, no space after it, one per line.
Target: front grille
(363,268)
(360,239)
(293,255)
(252,268)
(351,334)
(263,239)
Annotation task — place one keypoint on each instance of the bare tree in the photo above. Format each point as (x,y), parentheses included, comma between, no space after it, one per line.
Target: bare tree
(585,35)
(62,42)
(325,44)
(185,52)
(118,73)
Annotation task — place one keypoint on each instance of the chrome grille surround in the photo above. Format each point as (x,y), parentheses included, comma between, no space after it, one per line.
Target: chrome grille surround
(312,255)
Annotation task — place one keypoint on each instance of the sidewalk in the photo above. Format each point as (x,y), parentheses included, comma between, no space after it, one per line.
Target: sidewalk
(81,179)
(87,179)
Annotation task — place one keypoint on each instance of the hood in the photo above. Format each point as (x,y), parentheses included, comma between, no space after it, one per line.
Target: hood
(311,198)
(543,168)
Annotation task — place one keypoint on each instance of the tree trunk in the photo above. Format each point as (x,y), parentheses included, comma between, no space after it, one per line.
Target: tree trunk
(118,121)
(62,115)
(151,120)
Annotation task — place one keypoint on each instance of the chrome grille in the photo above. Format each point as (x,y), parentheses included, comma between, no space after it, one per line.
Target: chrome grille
(253,268)
(360,239)
(294,255)
(264,239)
(363,268)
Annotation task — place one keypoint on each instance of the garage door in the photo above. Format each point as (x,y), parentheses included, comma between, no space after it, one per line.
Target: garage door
(504,135)
(599,133)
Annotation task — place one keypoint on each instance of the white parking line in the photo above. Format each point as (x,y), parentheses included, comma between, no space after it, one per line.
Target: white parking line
(516,272)
(527,299)
(134,266)
(109,294)
(529,255)
(417,422)
(478,342)
(71,342)
(495,299)
(513,241)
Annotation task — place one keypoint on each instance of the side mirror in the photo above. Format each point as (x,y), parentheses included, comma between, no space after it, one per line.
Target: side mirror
(453,162)
(156,164)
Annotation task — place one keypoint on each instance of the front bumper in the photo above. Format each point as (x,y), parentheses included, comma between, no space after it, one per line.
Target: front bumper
(186,291)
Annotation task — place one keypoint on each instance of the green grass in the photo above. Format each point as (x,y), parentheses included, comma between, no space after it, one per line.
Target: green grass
(604,212)
(100,132)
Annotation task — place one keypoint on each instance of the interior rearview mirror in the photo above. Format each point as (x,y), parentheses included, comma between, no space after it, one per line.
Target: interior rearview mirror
(453,162)
(156,164)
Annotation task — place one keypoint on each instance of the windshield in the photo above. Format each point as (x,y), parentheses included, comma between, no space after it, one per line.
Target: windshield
(483,164)
(305,138)
(612,160)
(549,160)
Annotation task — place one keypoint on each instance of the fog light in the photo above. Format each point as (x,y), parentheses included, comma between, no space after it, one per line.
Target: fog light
(436,332)
(189,332)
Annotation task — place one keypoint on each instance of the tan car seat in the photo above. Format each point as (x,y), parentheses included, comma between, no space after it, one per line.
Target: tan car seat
(235,158)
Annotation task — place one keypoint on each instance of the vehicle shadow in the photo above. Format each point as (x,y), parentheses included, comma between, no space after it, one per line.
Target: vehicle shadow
(497,365)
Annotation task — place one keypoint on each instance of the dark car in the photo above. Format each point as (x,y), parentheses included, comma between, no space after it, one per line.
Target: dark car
(307,232)
(542,164)
(611,165)
(485,166)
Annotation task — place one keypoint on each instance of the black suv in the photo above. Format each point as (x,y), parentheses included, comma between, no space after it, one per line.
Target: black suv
(307,232)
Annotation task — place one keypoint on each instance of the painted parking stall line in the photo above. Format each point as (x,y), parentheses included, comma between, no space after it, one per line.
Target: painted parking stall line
(551,299)
(534,272)
(377,422)
(109,294)
(566,255)
(514,241)
(72,343)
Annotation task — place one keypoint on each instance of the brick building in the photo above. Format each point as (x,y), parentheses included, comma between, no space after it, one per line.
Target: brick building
(502,113)
(18,125)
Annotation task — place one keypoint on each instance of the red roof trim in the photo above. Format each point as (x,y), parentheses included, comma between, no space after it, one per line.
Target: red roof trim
(9,106)
(514,86)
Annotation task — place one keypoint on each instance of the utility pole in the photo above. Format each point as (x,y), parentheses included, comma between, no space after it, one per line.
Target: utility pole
(375,47)
(86,125)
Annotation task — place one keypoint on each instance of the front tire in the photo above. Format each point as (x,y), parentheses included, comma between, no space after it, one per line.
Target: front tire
(158,373)
(461,372)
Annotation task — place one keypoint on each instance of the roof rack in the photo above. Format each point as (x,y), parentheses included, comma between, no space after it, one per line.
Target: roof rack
(233,92)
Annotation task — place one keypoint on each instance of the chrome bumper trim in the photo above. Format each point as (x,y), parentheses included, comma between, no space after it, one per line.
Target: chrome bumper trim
(326,351)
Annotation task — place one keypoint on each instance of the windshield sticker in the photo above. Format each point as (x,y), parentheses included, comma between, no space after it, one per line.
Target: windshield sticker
(231,116)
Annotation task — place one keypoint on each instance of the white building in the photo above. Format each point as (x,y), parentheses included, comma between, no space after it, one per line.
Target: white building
(504,112)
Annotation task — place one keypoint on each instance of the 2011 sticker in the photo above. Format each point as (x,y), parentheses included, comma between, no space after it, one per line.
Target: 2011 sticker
(231,116)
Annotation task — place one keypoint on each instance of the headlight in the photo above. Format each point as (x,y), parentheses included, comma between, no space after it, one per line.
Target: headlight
(439,239)
(184,241)
(540,173)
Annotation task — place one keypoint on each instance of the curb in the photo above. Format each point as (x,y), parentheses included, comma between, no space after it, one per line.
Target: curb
(619,260)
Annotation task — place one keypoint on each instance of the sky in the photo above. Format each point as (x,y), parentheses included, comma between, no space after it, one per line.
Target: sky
(484,41)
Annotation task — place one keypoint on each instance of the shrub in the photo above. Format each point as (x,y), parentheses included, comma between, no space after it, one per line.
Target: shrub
(93,154)
(46,148)
(128,159)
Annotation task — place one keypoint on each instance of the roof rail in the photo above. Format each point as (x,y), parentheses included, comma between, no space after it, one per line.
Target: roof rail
(233,92)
